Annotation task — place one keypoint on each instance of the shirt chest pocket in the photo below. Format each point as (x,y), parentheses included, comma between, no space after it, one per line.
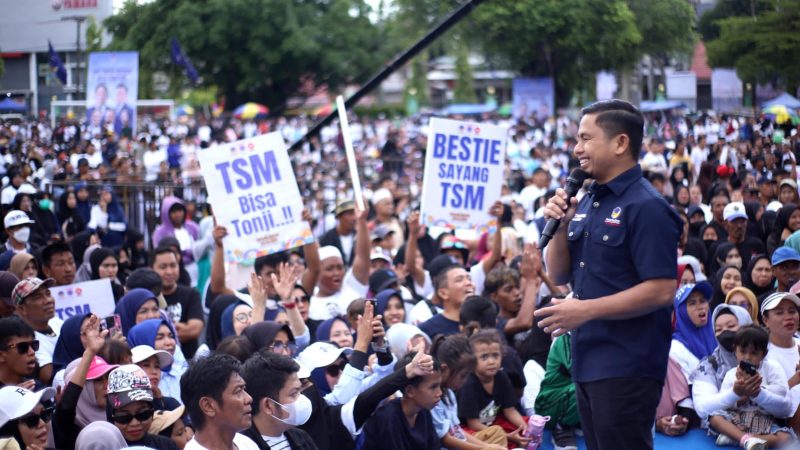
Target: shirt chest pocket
(575,230)
(609,236)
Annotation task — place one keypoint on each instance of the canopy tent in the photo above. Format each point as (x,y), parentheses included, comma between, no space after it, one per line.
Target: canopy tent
(785,99)
(467,109)
(664,105)
(8,105)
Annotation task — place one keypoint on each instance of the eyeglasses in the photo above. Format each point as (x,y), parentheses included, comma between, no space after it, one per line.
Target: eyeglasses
(279,347)
(301,298)
(243,317)
(23,347)
(128,418)
(335,369)
(32,420)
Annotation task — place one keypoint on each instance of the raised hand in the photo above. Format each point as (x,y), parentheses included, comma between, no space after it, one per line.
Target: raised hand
(257,289)
(91,336)
(413,224)
(285,281)
(219,234)
(421,364)
(531,263)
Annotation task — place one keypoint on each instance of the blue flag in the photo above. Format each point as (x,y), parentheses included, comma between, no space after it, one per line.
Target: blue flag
(57,65)
(183,61)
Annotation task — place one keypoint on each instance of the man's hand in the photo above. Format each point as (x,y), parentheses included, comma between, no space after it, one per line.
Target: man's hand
(558,208)
(307,217)
(257,289)
(531,263)
(413,224)
(565,314)
(364,336)
(496,210)
(219,234)
(284,281)
(91,336)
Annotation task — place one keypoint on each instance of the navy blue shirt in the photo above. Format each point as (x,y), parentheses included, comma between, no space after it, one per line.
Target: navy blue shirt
(623,233)
(439,324)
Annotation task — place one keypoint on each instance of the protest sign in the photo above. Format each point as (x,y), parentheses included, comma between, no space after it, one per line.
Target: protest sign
(252,189)
(351,155)
(463,174)
(76,299)
(112,84)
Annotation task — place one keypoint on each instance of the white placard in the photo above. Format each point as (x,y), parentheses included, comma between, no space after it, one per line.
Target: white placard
(93,296)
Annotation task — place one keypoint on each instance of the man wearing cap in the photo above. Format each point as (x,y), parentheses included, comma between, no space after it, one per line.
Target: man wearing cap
(8,281)
(379,259)
(383,238)
(736,227)
(36,307)
(785,267)
(343,235)
(787,192)
(383,201)
(17,352)
(18,229)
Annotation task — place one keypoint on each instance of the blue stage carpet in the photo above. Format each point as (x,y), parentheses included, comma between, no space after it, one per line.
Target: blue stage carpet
(693,440)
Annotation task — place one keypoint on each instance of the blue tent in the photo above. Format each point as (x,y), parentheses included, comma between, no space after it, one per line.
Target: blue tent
(664,105)
(784,99)
(467,109)
(8,105)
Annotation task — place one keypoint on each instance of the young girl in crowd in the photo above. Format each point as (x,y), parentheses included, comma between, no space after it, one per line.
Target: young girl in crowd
(487,397)
(756,393)
(389,304)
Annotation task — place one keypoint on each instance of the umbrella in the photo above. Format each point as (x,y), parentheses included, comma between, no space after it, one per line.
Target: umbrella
(781,113)
(250,111)
(185,110)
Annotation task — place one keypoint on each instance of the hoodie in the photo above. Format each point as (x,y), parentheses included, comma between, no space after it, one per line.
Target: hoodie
(166,228)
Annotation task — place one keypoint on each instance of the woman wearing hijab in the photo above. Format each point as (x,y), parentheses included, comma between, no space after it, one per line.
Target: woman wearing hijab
(136,306)
(744,298)
(100,436)
(103,264)
(47,223)
(685,275)
(108,218)
(707,378)
(389,304)
(71,221)
(403,337)
(726,254)
(787,222)
(24,265)
(758,276)
(84,272)
(161,335)
(335,330)
(80,242)
(134,244)
(271,336)
(755,220)
(725,279)
(693,338)
(214,323)
(68,346)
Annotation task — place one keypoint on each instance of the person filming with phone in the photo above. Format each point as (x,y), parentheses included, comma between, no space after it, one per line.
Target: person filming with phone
(617,248)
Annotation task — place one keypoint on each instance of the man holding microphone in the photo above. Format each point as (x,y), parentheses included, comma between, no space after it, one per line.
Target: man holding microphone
(617,248)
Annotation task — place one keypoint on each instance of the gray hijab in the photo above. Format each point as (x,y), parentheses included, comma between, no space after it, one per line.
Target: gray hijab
(84,272)
(712,368)
(100,435)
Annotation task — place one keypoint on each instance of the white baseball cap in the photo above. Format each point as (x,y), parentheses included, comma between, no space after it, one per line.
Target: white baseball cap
(16,401)
(143,352)
(320,354)
(15,218)
(733,211)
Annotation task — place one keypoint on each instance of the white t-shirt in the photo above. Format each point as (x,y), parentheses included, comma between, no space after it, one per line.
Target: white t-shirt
(241,441)
(324,308)
(478,277)
(421,312)
(347,246)
(277,443)
(787,358)
(47,343)
(686,359)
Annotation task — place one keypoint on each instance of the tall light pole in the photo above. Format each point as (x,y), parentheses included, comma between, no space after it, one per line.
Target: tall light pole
(78,53)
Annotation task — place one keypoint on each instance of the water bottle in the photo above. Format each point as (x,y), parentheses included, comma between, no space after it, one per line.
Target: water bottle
(535,431)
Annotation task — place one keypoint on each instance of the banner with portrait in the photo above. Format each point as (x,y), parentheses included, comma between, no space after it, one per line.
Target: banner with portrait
(112,82)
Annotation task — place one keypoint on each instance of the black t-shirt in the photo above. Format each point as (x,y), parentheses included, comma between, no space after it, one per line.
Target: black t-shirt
(388,429)
(439,324)
(475,403)
(182,305)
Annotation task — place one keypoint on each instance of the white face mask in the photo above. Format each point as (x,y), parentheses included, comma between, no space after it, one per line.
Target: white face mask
(299,411)
(22,235)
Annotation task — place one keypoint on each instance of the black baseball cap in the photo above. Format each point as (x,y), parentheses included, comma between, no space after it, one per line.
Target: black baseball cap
(440,263)
(381,279)
(7,283)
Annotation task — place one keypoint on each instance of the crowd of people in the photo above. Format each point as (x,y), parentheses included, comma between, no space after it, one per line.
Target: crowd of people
(383,332)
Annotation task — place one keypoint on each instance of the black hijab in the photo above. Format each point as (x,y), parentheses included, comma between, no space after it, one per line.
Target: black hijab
(755,225)
(262,334)
(213,325)
(718,298)
(747,277)
(719,257)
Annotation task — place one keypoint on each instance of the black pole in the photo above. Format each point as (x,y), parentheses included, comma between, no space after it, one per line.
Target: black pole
(398,62)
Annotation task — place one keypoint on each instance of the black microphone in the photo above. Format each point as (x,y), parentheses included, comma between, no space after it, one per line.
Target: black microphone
(574,183)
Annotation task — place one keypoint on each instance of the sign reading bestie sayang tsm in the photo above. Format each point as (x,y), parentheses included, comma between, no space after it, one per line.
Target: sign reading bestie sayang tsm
(463,174)
(253,191)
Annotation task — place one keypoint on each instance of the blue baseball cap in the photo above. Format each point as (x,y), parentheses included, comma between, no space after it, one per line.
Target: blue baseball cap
(783,254)
(687,289)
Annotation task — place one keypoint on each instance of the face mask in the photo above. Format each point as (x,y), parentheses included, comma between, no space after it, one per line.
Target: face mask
(22,235)
(45,203)
(735,262)
(725,339)
(694,228)
(299,411)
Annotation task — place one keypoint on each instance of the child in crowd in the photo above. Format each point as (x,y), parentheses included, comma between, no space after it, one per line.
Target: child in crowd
(487,397)
(756,392)
(406,423)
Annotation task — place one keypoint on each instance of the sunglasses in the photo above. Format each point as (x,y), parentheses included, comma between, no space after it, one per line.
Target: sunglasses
(23,347)
(301,298)
(335,369)
(128,418)
(32,420)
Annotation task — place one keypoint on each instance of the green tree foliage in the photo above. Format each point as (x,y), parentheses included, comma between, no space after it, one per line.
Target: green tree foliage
(464,91)
(253,50)
(708,26)
(666,26)
(569,40)
(94,35)
(761,48)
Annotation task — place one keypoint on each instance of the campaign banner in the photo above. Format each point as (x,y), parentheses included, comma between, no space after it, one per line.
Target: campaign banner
(463,174)
(112,86)
(254,194)
(93,296)
(533,97)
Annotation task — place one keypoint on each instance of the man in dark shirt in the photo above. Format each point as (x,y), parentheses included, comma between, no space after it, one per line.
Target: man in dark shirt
(183,303)
(343,235)
(618,249)
(736,227)
(453,285)
(17,353)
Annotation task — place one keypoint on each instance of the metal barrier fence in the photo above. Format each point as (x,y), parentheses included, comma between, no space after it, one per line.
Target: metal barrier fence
(142,201)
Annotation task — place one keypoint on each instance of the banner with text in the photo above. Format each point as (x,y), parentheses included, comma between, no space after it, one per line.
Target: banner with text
(253,191)
(76,299)
(463,174)
(112,86)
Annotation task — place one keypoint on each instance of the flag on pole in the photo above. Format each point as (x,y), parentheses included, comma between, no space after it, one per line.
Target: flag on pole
(183,61)
(57,65)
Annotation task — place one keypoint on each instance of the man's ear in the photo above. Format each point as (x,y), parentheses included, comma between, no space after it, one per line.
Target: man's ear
(622,143)
(209,406)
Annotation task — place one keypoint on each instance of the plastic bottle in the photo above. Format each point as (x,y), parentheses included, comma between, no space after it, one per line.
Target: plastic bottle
(536,430)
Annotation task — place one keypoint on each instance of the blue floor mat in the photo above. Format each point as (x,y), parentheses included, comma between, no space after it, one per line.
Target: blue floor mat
(693,440)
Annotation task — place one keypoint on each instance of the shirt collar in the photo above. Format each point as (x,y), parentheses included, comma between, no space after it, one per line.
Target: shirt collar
(619,184)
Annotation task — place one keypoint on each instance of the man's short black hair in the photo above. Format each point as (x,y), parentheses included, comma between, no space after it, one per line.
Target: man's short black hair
(160,250)
(145,278)
(52,250)
(619,117)
(265,374)
(273,260)
(207,377)
(13,326)
(752,336)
